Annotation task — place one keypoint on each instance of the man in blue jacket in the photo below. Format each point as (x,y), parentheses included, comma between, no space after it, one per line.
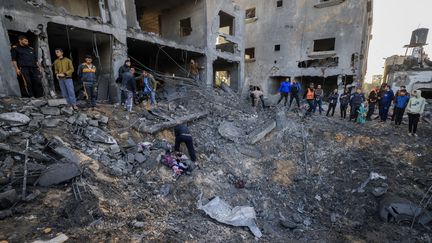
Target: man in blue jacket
(400,105)
(294,90)
(284,90)
(385,103)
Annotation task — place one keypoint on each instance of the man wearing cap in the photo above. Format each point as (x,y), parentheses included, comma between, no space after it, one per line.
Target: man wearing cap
(63,70)
(87,74)
(25,62)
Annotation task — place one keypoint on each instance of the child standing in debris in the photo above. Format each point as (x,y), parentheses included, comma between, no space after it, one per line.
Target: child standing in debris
(87,74)
(333,98)
(63,70)
(400,104)
(284,91)
(361,117)
(414,109)
(130,85)
(344,100)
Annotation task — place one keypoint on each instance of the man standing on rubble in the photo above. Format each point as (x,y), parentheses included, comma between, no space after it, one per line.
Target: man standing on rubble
(310,96)
(344,100)
(129,83)
(333,98)
(63,70)
(284,91)
(355,102)
(372,101)
(27,68)
(182,135)
(87,75)
(319,94)
(256,94)
(385,103)
(415,108)
(123,69)
(401,89)
(148,84)
(294,90)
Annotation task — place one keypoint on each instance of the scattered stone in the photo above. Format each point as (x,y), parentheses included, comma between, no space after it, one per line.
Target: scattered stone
(98,135)
(72,119)
(259,134)
(104,119)
(57,102)
(60,238)
(14,118)
(8,198)
(137,224)
(165,190)
(38,103)
(47,230)
(48,123)
(131,142)
(67,111)
(32,196)
(250,151)
(288,224)
(124,135)
(3,134)
(94,123)
(140,158)
(333,217)
(379,191)
(130,158)
(34,123)
(51,111)
(58,173)
(82,119)
(230,131)
(115,149)
(297,218)
(307,222)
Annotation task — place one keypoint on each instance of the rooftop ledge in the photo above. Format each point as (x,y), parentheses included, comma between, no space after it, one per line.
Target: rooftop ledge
(322,54)
(328,3)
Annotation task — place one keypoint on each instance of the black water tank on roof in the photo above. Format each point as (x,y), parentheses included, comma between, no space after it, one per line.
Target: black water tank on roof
(419,37)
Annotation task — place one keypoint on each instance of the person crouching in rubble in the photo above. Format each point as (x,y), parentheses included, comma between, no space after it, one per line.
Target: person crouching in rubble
(310,97)
(356,101)
(256,94)
(415,108)
(128,80)
(87,74)
(63,70)
(182,135)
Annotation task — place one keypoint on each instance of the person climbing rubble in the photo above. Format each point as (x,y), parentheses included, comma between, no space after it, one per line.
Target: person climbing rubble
(284,91)
(355,102)
(310,97)
(415,108)
(385,103)
(63,70)
(319,94)
(129,84)
(148,84)
(372,101)
(256,94)
(27,68)
(182,135)
(194,70)
(401,102)
(87,74)
(333,98)
(294,90)
(344,100)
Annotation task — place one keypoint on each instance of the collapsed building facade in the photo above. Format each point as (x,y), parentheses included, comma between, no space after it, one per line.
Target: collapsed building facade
(158,36)
(413,71)
(320,41)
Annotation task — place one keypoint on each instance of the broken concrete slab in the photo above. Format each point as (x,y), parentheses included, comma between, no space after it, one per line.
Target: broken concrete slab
(98,135)
(230,131)
(143,127)
(57,102)
(14,118)
(31,153)
(67,111)
(250,151)
(51,111)
(260,133)
(49,123)
(94,123)
(104,120)
(140,158)
(394,208)
(58,146)
(8,199)
(38,103)
(5,213)
(60,238)
(58,173)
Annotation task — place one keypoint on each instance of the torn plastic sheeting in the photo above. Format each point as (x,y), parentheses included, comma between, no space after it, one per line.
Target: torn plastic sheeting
(221,211)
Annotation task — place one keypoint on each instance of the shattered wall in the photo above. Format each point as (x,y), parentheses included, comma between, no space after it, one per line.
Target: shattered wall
(294,26)
(420,79)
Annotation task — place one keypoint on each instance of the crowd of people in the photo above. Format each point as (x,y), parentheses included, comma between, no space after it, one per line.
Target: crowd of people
(361,109)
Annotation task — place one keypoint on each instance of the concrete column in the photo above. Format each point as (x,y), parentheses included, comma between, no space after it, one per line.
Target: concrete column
(8,81)
(117,11)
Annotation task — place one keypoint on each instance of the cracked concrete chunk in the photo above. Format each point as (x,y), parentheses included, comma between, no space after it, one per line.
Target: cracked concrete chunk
(260,133)
(60,148)
(51,111)
(51,122)
(230,131)
(58,173)
(250,151)
(67,111)
(8,199)
(60,238)
(57,102)
(104,119)
(14,118)
(98,135)
(38,103)
(140,158)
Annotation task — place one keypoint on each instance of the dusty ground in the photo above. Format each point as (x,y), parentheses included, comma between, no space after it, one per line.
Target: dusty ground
(295,199)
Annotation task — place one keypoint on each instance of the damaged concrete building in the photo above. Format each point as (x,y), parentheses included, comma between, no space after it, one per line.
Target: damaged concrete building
(320,41)
(414,70)
(160,36)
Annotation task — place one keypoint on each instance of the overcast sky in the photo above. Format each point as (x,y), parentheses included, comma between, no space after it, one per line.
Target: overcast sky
(394,20)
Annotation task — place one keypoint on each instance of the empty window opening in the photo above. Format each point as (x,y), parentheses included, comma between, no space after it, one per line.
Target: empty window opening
(250,13)
(226,23)
(80,43)
(185,27)
(250,53)
(149,20)
(279,3)
(277,47)
(83,8)
(227,73)
(325,62)
(324,45)
(426,92)
(225,45)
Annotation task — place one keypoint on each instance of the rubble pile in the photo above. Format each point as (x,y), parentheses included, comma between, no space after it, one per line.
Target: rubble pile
(97,175)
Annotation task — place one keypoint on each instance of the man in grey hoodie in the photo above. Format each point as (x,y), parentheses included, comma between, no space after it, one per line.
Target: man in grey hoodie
(415,108)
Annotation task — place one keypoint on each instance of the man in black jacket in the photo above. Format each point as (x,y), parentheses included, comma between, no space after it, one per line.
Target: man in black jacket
(355,102)
(372,101)
(182,135)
